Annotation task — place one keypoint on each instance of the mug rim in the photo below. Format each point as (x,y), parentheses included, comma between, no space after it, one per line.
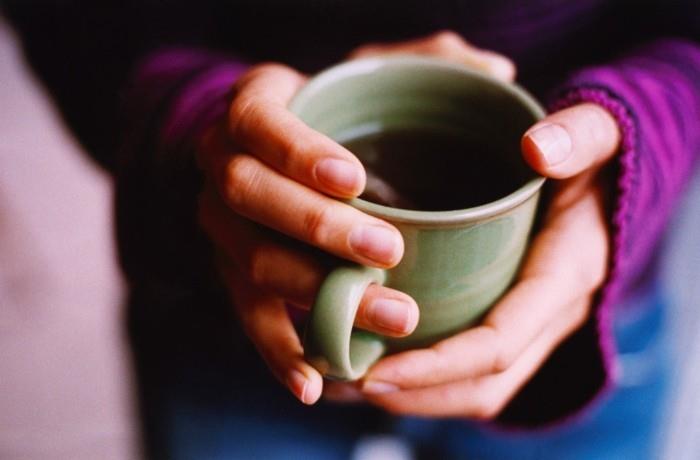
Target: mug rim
(458,216)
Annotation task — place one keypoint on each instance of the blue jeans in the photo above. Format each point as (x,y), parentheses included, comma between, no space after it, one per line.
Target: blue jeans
(251,417)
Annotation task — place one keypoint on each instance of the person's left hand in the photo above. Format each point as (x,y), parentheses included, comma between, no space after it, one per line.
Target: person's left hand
(476,373)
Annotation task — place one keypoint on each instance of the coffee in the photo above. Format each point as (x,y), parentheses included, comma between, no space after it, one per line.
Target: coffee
(428,169)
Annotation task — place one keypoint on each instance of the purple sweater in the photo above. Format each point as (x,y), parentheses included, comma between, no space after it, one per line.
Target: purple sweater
(650,83)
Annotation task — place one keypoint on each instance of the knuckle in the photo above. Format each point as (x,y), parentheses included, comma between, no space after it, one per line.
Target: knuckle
(243,111)
(448,39)
(442,364)
(242,176)
(257,79)
(502,358)
(592,113)
(256,266)
(504,60)
(502,66)
(486,409)
(594,118)
(260,70)
(446,36)
(591,119)
(590,276)
(501,362)
(449,395)
(317,224)
(579,313)
(455,399)
(294,149)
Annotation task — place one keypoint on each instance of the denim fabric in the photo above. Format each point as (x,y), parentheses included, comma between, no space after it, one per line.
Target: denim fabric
(259,420)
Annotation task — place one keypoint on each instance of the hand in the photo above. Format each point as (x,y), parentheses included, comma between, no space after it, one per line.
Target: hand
(267,171)
(268,199)
(475,373)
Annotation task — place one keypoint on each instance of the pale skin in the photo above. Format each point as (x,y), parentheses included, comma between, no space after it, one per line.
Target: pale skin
(263,165)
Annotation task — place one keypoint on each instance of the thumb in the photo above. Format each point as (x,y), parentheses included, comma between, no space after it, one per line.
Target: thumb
(571,141)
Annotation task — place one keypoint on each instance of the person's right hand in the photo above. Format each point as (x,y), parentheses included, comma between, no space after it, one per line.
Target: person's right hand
(270,177)
(265,168)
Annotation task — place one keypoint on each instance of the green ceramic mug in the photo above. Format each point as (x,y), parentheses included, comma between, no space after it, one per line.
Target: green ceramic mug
(456,263)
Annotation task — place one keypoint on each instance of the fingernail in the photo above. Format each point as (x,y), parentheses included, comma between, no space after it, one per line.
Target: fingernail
(390,314)
(340,175)
(298,383)
(375,387)
(375,242)
(553,142)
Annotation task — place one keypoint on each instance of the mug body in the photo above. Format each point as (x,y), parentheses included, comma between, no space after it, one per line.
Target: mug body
(457,261)
(455,272)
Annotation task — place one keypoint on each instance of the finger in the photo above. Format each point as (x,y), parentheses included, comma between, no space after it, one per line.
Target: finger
(254,190)
(294,275)
(483,397)
(446,45)
(260,122)
(267,324)
(387,312)
(267,262)
(490,348)
(566,263)
(571,141)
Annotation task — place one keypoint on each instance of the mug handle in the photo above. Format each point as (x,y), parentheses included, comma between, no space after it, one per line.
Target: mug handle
(330,343)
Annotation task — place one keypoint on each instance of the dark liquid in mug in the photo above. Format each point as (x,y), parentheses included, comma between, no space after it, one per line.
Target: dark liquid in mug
(430,170)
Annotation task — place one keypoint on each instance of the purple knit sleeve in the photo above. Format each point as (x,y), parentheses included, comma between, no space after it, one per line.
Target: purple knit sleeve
(174,95)
(654,95)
